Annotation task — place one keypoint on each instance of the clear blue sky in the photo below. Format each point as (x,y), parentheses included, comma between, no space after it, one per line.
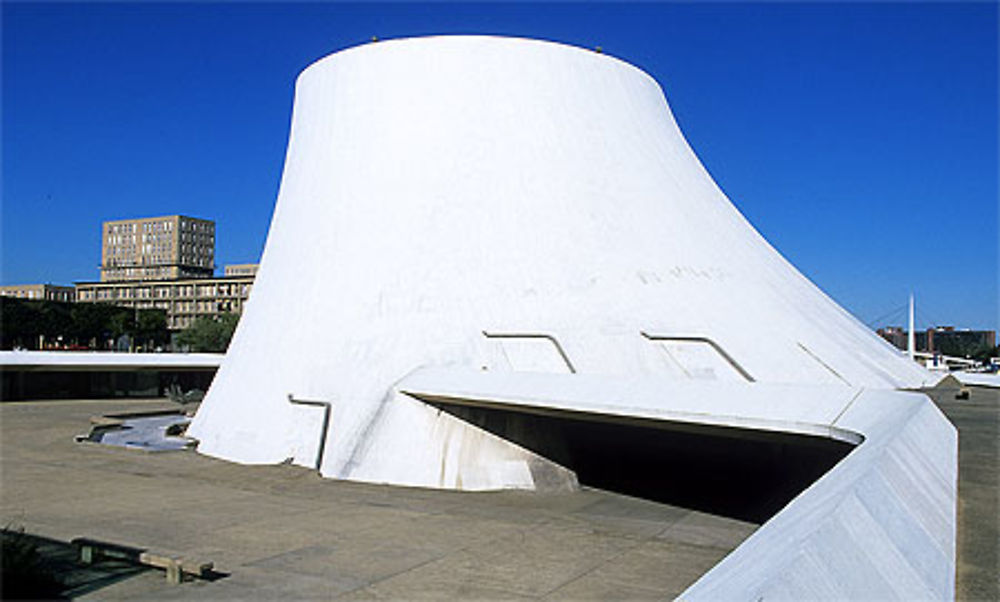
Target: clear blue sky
(860,139)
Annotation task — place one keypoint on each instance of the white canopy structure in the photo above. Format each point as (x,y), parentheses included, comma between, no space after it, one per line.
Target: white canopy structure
(495,207)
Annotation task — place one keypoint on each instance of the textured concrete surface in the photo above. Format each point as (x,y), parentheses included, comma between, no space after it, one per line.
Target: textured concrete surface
(978,570)
(282,532)
(880,525)
(500,205)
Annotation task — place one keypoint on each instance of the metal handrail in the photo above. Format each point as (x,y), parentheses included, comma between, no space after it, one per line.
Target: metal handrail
(702,339)
(533,335)
(327,406)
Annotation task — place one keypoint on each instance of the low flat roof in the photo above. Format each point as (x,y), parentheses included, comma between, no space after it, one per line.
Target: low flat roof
(165,281)
(105,360)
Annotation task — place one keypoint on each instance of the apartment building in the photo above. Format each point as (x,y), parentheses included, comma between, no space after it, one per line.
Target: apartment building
(47,292)
(157,248)
(941,339)
(184,299)
(166,263)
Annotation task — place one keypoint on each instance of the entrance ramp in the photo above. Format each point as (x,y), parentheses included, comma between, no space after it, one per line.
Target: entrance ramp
(880,523)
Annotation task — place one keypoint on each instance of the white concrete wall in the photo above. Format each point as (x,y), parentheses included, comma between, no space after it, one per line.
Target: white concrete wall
(881,525)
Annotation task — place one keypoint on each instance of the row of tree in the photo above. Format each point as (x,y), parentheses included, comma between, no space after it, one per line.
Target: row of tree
(34,324)
(38,324)
(966,347)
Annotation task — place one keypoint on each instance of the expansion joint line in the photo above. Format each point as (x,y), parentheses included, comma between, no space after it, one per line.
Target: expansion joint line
(847,406)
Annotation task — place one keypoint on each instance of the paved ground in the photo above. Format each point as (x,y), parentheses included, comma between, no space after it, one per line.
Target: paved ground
(978,511)
(282,532)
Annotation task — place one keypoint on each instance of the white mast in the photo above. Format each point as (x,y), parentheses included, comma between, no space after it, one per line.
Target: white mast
(911,336)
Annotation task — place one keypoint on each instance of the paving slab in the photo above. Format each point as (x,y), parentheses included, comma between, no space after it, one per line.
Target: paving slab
(978,421)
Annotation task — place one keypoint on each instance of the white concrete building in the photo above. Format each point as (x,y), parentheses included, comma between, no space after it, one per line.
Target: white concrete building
(486,209)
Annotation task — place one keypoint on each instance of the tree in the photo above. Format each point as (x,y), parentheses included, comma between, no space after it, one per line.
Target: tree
(151,328)
(16,318)
(24,321)
(92,322)
(209,333)
(985,352)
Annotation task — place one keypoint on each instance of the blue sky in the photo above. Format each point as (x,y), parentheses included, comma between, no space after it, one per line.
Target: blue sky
(860,139)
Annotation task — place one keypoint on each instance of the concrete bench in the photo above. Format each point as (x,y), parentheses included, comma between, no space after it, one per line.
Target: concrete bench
(175,567)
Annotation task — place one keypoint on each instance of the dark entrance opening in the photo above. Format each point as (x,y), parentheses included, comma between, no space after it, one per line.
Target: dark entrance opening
(740,473)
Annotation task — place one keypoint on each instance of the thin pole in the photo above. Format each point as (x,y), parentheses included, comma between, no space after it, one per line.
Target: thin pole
(911,337)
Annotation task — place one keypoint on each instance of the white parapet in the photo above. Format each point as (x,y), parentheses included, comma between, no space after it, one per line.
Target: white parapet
(881,525)
(978,379)
(106,360)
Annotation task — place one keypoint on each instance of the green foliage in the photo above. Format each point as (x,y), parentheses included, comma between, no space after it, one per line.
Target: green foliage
(151,327)
(984,353)
(209,334)
(960,344)
(93,321)
(85,324)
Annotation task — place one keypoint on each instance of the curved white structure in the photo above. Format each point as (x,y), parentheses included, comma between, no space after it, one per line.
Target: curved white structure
(437,188)
(512,206)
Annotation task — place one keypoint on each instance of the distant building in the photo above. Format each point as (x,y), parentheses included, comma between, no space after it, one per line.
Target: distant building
(946,340)
(46,292)
(157,248)
(166,263)
(184,299)
(242,269)
(895,335)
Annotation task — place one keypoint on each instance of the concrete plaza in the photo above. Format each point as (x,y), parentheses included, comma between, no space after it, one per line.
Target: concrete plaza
(283,532)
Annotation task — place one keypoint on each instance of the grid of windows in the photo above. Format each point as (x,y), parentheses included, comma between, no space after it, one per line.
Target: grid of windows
(166,262)
(184,300)
(47,292)
(166,247)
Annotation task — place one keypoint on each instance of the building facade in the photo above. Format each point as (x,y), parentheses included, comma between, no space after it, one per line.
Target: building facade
(157,248)
(895,335)
(946,340)
(167,263)
(242,269)
(46,292)
(184,299)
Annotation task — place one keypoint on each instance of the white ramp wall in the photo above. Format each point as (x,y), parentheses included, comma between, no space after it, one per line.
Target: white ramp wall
(500,204)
